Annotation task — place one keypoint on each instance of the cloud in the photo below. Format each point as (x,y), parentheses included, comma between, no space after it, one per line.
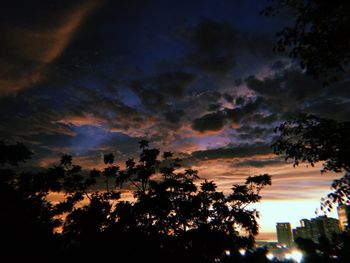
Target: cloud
(174,116)
(214,44)
(287,91)
(288,183)
(254,133)
(333,108)
(209,122)
(290,84)
(233,152)
(27,49)
(249,107)
(216,121)
(258,163)
(82,120)
(165,103)
(174,83)
(155,92)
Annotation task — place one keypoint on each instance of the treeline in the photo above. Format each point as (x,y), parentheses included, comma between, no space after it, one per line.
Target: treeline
(171,219)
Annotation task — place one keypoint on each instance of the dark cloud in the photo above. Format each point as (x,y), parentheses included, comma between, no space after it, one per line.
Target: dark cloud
(252,133)
(214,44)
(263,119)
(197,102)
(240,100)
(288,91)
(174,83)
(218,46)
(292,85)
(148,95)
(258,163)
(212,63)
(156,91)
(257,44)
(250,107)
(209,122)
(279,65)
(174,116)
(212,36)
(23,117)
(246,150)
(333,108)
(228,97)
(214,106)
(217,120)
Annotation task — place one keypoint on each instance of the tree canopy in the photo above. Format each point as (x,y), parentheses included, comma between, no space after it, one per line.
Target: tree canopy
(173,217)
(319,36)
(311,139)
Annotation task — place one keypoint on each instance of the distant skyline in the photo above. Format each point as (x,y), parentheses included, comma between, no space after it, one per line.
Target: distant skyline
(290,212)
(199,78)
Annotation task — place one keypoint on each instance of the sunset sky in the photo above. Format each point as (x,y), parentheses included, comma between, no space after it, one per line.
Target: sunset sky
(198,77)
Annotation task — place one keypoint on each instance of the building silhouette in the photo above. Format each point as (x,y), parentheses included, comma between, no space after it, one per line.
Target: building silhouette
(304,230)
(316,227)
(284,233)
(344,216)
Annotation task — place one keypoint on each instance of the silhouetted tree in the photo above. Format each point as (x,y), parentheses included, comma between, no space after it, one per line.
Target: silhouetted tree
(12,154)
(325,250)
(185,222)
(309,249)
(170,219)
(341,246)
(26,218)
(318,37)
(311,139)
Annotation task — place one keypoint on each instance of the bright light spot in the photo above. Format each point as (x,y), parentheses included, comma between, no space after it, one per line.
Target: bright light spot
(295,255)
(228,253)
(242,251)
(270,256)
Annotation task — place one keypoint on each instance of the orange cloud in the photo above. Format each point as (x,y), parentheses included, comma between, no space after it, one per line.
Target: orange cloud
(288,183)
(295,193)
(87,119)
(86,162)
(31,50)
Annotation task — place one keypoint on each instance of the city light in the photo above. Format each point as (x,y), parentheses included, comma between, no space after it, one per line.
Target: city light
(242,251)
(270,256)
(295,255)
(227,252)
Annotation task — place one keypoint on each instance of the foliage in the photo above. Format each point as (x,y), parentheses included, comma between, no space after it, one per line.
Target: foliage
(13,153)
(319,36)
(311,139)
(335,250)
(171,218)
(26,218)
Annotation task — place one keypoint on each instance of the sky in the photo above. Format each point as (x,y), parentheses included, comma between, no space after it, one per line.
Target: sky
(199,78)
